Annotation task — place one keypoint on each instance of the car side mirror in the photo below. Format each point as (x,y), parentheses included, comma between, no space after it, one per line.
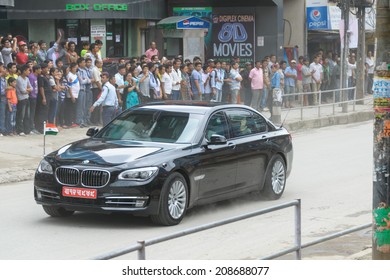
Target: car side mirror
(216,139)
(92,131)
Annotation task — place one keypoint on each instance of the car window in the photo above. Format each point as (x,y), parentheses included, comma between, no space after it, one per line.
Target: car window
(152,126)
(244,122)
(217,125)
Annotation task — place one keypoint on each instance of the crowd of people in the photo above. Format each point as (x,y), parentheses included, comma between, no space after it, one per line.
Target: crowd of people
(68,88)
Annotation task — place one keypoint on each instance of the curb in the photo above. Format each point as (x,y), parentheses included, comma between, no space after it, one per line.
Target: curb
(348,118)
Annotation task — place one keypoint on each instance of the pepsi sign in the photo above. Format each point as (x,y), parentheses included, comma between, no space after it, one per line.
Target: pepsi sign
(317,18)
(192,23)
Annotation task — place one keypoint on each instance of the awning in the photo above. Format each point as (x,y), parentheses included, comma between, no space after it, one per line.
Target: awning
(183,22)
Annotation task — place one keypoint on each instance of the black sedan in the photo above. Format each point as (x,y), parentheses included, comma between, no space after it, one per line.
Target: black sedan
(161,159)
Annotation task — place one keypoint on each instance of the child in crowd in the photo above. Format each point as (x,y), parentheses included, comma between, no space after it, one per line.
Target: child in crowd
(10,116)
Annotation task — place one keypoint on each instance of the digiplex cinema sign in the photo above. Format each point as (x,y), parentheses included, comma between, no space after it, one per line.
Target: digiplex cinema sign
(96,7)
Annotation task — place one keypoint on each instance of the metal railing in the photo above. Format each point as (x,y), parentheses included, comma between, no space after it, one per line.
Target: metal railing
(339,98)
(141,245)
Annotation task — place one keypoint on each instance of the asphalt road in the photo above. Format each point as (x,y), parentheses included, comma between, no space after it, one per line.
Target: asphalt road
(332,175)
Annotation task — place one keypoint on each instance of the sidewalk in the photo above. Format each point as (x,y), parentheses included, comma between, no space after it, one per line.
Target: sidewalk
(19,156)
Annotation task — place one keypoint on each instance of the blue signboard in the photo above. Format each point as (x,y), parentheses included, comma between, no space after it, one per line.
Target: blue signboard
(193,23)
(317,18)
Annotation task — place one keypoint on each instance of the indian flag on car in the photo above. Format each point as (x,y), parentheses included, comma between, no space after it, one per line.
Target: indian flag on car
(51,129)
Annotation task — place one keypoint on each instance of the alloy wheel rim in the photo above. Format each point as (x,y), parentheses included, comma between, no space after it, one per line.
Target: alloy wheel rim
(177,199)
(278,177)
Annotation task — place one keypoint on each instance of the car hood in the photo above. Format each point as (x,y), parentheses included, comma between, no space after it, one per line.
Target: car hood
(109,152)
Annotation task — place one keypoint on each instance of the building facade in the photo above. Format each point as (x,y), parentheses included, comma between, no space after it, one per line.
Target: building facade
(126,28)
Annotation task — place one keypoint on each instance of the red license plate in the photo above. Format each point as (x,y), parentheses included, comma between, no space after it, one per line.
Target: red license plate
(79,192)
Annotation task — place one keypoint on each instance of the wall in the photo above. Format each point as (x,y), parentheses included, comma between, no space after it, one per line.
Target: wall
(36,31)
(294,12)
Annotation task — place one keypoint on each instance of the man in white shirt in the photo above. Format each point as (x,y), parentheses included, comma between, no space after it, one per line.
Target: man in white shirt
(351,69)
(370,67)
(317,76)
(120,82)
(167,81)
(176,79)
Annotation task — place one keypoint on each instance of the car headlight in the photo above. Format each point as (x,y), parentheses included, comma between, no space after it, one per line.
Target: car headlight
(45,167)
(138,174)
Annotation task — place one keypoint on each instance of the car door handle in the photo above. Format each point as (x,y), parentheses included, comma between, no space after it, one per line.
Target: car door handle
(264,137)
(232,145)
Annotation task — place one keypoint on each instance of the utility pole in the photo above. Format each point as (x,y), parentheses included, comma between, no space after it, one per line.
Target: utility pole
(361,55)
(381,177)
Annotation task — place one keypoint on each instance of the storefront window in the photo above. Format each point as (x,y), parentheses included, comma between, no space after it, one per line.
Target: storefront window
(75,30)
(115,38)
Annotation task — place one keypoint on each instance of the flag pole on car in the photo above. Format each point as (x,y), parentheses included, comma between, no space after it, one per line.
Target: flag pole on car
(48,129)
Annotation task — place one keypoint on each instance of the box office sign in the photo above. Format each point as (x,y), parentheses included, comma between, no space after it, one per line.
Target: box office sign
(95,7)
(233,35)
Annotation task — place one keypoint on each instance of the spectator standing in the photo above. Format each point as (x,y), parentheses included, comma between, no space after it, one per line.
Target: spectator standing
(21,56)
(235,83)
(167,81)
(317,76)
(33,77)
(45,94)
(257,84)
(144,84)
(226,82)
(23,89)
(96,90)
(71,54)
(267,86)
(72,95)
(326,79)
(155,83)
(176,79)
(290,77)
(185,87)
(42,52)
(108,99)
(276,86)
(197,86)
(351,74)
(85,82)
(217,79)
(120,83)
(206,83)
(299,85)
(246,84)
(152,51)
(12,70)
(55,87)
(3,100)
(88,91)
(8,47)
(11,109)
(93,53)
(131,92)
(370,66)
(306,80)
(335,84)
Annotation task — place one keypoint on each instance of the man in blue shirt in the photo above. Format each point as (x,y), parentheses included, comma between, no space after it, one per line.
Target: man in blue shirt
(290,75)
(108,99)
(196,82)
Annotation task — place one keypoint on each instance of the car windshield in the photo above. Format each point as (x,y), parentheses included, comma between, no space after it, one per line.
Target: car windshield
(152,126)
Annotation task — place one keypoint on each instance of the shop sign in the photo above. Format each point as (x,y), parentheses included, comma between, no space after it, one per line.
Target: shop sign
(98,31)
(95,7)
(317,18)
(192,23)
(233,35)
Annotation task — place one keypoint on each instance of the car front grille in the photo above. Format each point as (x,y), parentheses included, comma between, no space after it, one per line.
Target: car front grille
(68,176)
(91,178)
(95,178)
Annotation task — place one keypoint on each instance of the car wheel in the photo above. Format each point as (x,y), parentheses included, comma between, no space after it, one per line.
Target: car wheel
(173,204)
(275,180)
(57,212)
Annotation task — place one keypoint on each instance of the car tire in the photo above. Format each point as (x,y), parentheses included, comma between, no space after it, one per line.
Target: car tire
(173,201)
(57,212)
(275,180)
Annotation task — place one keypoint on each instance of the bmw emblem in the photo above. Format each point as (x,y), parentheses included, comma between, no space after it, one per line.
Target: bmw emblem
(85,161)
